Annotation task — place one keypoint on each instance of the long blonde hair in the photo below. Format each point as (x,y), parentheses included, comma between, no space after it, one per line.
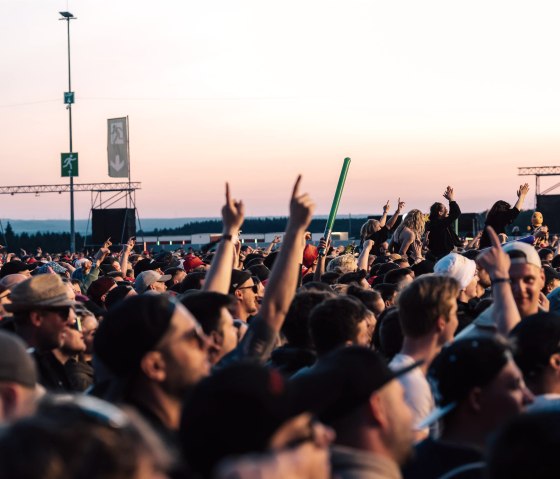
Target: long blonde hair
(415,221)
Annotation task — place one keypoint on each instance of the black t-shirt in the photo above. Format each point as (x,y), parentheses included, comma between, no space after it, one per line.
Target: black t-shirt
(379,237)
(433,459)
(499,223)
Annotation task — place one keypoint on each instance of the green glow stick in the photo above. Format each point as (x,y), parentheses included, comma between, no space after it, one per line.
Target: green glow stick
(336,202)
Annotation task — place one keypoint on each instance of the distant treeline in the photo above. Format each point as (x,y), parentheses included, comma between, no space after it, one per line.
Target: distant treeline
(58,242)
(52,242)
(258,225)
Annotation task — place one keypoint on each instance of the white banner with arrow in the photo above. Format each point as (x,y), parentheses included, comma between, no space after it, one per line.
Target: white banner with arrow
(117,147)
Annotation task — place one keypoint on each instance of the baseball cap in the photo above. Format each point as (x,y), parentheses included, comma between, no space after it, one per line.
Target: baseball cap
(13,267)
(146,264)
(44,290)
(535,339)
(520,252)
(234,411)
(191,262)
(145,279)
(458,267)
(343,380)
(130,329)
(16,364)
(238,277)
(461,366)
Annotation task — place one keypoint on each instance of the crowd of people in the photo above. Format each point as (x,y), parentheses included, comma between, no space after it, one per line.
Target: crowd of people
(420,355)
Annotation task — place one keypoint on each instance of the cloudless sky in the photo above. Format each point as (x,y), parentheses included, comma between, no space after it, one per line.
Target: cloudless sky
(420,94)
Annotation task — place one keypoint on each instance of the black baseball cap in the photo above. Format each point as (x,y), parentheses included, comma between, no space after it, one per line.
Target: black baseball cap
(238,277)
(344,380)
(461,366)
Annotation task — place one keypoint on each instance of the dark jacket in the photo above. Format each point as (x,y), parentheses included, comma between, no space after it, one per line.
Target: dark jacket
(435,459)
(441,240)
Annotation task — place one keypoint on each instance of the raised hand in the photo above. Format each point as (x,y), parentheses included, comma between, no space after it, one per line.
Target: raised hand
(448,194)
(386,207)
(233,213)
(523,190)
(301,207)
(400,204)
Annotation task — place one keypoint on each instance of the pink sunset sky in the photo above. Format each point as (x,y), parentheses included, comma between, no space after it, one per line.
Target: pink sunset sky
(419,94)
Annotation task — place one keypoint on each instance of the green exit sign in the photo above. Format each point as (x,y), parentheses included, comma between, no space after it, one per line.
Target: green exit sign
(69,164)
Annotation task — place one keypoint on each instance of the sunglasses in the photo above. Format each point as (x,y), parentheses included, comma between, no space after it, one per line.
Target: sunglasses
(62,311)
(255,288)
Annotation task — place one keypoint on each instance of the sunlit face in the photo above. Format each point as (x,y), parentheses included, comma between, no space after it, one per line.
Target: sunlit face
(185,350)
(526,283)
(248,297)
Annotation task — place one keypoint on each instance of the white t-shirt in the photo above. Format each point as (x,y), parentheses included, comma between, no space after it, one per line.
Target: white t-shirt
(417,392)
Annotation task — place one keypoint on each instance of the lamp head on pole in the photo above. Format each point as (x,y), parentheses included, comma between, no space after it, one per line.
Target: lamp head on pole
(66,16)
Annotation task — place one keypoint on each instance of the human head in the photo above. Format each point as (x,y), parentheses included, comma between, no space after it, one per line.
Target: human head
(43,308)
(118,294)
(388,293)
(428,306)
(151,341)
(81,436)
(551,279)
(194,280)
(400,277)
(437,210)
(18,379)
(237,410)
(463,270)
(536,341)
(527,276)
(369,227)
(355,392)
(490,390)
(89,328)
(98,290)
(151,281)
(243,288)
(338,322)
(211,310)
(415,221)
(296,324)
(527,446)
(497,209)
(345,263)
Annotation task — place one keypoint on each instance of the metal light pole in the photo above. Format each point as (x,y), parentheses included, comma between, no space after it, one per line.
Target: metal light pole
(68,16)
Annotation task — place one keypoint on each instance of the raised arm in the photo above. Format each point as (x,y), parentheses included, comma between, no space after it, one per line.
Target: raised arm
(395,217)
(521,194)
(282,284)
(454,210)
(321,260)
(127,248)
(272,244)
(218,277)
(364,255)
(497,263)
(383,218)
